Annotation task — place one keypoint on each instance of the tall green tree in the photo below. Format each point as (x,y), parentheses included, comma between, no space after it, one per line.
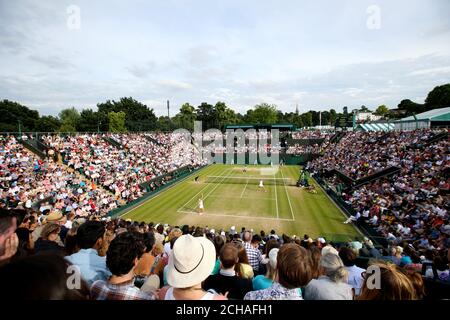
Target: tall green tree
(139,117)
(47,124)
(117,121)
(307,119)
(333,117)
(263,113)
(223,115)
(164,124)
(206,114)
(439,97)
(185,118)
(92,121)
(382,110)
(411,107)
(70,119)
(11,113)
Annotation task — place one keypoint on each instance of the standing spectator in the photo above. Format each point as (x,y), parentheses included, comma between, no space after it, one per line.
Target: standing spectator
(355,279)
(254,255)
(90,236)
(121,259)
(293,272)
(332,285)
(191,262)
(227,280)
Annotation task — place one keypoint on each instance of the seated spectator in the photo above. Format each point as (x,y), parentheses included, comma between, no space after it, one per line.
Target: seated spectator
(218,244)
(40,277)
(243,268)
(190,263)
(332,284)
(227,280)
(315,253)
(416,280)
(293,273)
(355,279)
(9,242)
(121,259)
(261,282)
(48,241)
(147,259)
(395,284)
(90,237)
(26,243)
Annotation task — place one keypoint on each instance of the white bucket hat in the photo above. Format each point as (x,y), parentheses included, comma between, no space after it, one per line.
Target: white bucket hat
(191,261)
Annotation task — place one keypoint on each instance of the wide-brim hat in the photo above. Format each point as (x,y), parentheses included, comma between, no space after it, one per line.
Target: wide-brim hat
(54,216)
(191,261)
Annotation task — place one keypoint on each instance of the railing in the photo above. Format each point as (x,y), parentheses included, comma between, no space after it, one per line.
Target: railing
(113,142)
(377,175)
(153,140)
(159,179)
(305,141)
(30,145)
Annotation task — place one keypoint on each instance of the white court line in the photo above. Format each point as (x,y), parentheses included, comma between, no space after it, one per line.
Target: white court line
(236,216)
(337,206)
(207,185)
(244,198)
(276,200)
(160,192)
(244,189)
(219,184)
(289,199)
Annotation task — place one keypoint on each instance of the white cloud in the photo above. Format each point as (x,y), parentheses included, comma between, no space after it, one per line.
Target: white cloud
(317,54)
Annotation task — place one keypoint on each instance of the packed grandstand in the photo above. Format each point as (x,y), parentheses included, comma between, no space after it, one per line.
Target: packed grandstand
(58,192)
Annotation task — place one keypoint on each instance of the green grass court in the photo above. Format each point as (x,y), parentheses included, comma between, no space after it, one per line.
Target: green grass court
(232,197)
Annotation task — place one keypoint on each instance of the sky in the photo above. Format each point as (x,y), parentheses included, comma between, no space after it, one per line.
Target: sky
(315,54)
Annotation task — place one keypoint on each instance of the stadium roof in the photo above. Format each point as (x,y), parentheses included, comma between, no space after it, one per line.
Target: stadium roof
(442,114)
(384,126)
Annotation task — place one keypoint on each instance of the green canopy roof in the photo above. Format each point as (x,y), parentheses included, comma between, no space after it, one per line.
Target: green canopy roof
(384,126)
(442,114)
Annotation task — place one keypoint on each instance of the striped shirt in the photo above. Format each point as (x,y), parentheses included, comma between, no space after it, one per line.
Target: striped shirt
(254,256)
(103,290)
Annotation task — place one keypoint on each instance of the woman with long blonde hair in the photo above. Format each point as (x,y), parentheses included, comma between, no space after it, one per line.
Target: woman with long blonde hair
(393,284)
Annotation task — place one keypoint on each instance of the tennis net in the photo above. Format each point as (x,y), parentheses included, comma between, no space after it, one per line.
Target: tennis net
(249,180)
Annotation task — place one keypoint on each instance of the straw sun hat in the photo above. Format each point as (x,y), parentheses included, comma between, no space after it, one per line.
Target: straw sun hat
(191,261)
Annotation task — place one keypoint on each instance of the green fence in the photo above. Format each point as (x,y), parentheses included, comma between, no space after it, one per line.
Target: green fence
(292,159)
(120,211)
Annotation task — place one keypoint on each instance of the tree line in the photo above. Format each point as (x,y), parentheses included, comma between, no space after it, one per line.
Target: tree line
(128,114)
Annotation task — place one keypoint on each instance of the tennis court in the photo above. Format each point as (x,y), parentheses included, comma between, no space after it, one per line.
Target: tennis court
(233,197)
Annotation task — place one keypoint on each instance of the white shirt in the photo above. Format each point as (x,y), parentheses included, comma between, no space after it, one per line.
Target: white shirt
(355,280)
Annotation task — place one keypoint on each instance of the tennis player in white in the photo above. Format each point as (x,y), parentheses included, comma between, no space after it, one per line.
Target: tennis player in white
(201,207)
(261,186)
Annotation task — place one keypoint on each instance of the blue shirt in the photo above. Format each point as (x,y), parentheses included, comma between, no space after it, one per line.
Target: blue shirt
(261,282)
(92,266)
